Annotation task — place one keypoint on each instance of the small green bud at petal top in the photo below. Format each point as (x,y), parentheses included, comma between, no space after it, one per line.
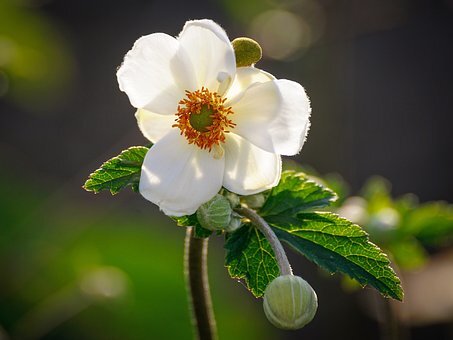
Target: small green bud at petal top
(290,302)
(247,51)
(215,214)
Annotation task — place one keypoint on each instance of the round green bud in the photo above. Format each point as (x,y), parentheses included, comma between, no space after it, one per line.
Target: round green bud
(233,198)
(247,51)
(215,214)
(235,222)
(290,302)
(254,201)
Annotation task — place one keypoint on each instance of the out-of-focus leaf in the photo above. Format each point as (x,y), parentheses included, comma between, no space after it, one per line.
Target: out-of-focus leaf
(377,192)
(36,65)
(244,10)
(431,223)
(408,253)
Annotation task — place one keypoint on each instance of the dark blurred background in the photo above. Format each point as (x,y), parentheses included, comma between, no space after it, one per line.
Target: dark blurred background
(77,266)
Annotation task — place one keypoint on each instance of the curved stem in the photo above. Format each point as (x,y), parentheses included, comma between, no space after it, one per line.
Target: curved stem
(196,273)
(261,224)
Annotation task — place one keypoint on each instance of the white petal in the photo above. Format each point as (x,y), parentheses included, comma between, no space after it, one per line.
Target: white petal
(249,169)
(154,126)
(179,177)
(155,73)
(245,77)
(210,52)
(274,116)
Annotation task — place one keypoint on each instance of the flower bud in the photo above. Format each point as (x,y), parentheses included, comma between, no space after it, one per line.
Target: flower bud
(289,302)
(235,222)
(247,51)
(233,198)
(254,201)
(215,214)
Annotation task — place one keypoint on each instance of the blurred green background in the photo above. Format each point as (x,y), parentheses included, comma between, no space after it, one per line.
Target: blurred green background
(78,266)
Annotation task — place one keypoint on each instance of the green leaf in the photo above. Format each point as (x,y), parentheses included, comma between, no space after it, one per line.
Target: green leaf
(296,193)
(186,221)
(192,221)
(249,257)
(118,172)
(338,245)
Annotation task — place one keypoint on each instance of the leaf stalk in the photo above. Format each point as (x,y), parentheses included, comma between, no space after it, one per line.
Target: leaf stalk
(266,230)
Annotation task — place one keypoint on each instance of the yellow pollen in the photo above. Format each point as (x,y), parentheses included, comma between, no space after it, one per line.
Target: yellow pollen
(203,118)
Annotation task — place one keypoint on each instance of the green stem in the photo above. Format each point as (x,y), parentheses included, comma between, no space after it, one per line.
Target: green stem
(261,224)
(196,273)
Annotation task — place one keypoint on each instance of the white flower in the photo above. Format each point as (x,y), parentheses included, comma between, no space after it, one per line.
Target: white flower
(212,124)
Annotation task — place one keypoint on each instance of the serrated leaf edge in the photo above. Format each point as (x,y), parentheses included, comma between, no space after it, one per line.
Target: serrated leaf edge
(383,258)
(92,178)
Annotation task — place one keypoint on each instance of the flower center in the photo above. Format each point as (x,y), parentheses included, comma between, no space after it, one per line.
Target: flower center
(203,118)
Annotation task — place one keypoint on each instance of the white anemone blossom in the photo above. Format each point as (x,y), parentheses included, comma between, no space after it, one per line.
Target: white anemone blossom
(212,124)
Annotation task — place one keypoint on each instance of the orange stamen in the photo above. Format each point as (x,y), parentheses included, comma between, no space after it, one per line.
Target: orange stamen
(213,134)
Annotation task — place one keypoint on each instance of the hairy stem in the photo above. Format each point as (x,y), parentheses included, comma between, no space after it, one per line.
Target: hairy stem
(261,224)
(196,273)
